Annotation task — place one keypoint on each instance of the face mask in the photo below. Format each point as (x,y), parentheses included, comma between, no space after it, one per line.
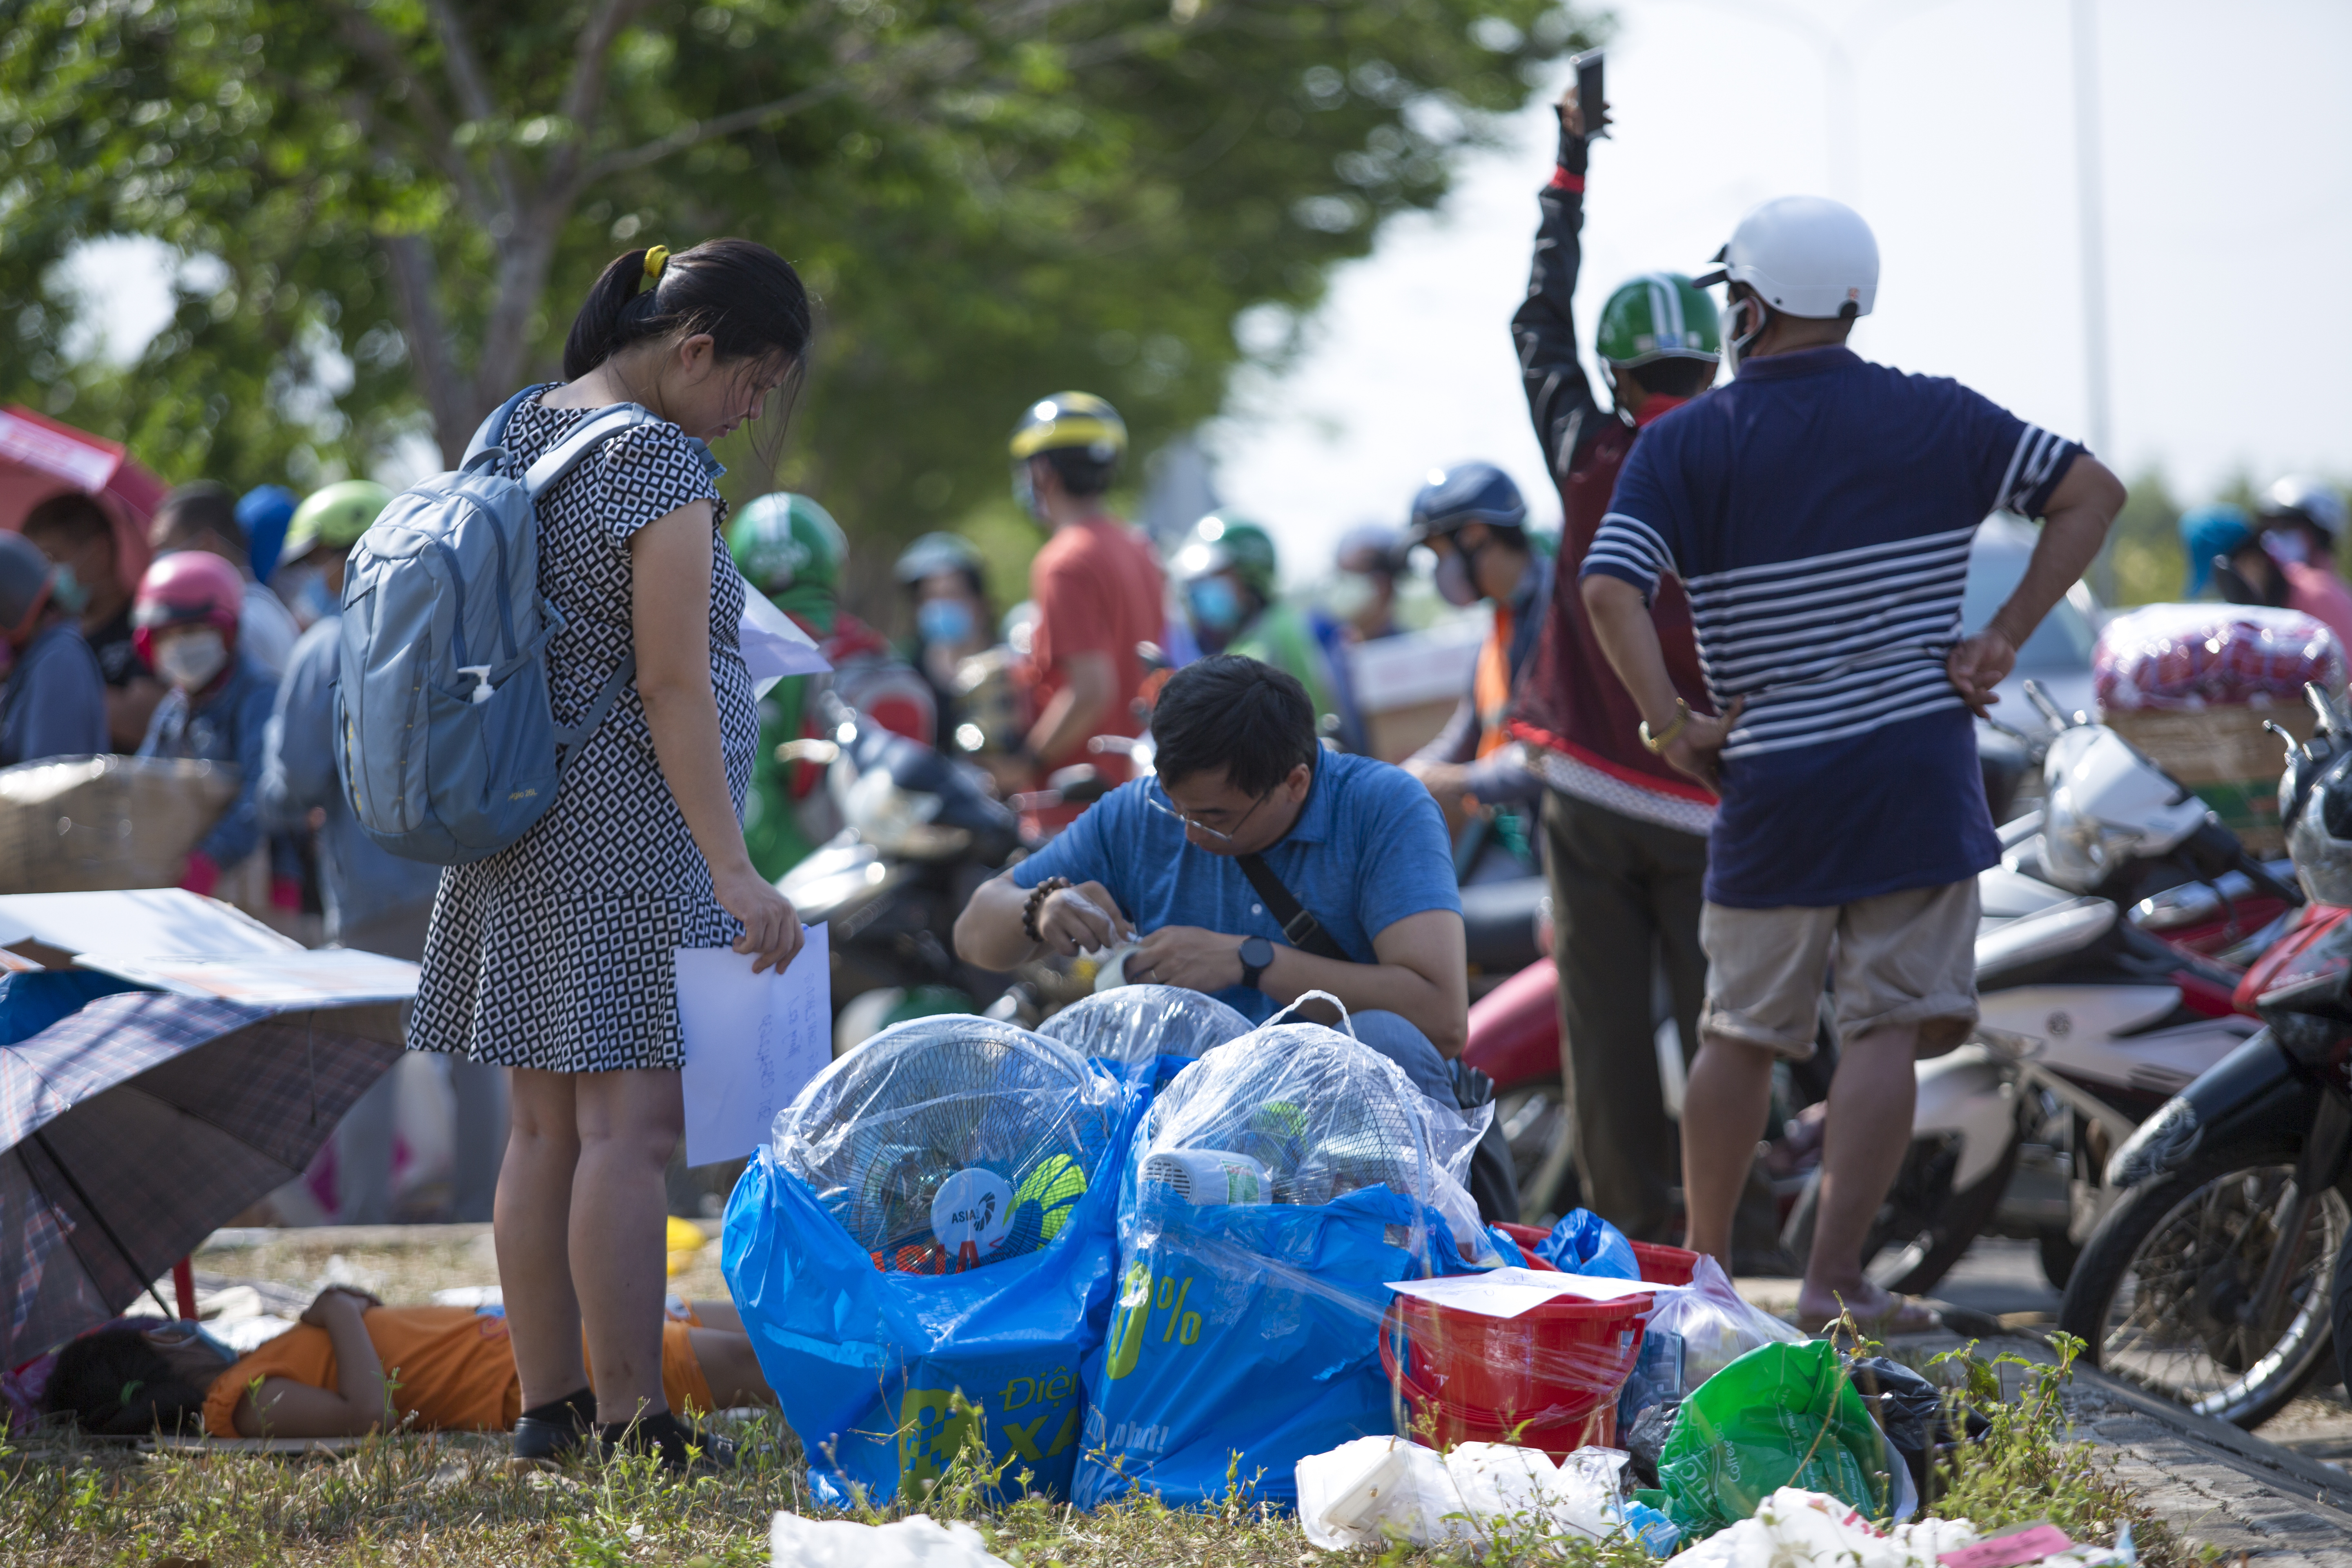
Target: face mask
(67,592)
(1743,323)
(1351,595)
(190,660)
(304,589)
(1454,584)
(943,621)
(1215,606)
(2285,545)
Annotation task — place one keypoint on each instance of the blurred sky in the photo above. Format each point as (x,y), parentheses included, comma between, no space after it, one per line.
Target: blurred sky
(2228,143)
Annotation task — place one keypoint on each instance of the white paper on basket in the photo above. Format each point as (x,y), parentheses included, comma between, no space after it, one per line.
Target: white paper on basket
(773,646)
(1508,1293)
(752,1042)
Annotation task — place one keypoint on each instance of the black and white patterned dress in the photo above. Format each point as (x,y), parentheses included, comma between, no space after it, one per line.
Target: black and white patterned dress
(556,952)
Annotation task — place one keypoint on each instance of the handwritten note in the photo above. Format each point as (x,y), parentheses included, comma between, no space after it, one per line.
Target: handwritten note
(752,1042)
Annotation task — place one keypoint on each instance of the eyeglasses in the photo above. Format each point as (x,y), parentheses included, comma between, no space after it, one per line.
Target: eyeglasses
(1193,823)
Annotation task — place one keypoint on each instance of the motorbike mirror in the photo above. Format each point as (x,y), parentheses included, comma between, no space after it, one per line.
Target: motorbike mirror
(822,753)
(2329,712)
(2040,700)
(1077,785)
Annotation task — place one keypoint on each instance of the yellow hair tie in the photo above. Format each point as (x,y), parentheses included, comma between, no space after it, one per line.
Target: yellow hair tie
(656,257)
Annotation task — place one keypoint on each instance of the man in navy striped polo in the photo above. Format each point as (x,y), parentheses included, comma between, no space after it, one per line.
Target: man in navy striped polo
(1818,511)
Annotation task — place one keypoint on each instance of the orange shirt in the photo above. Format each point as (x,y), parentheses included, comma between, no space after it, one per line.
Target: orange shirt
(451,1367)
(1098,590)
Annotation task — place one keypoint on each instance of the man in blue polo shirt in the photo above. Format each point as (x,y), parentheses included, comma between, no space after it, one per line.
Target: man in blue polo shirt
(1818,510)
(1357,845)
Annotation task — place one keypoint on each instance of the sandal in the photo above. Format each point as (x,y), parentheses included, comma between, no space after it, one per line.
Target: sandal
(1898,1315)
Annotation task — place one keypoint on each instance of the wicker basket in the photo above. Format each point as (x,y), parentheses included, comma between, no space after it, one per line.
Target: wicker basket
(75,825)
(2227,757)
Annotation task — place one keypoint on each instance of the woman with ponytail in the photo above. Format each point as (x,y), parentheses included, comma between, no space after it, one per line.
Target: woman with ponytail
(553,957)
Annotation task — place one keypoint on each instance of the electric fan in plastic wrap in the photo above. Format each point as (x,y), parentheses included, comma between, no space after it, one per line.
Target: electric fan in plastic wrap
(1133,1024)
(950,1142)
(1319,1115)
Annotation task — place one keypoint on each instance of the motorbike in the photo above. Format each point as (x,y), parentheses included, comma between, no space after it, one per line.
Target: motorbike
(2209,1280)
(920,834)
(2094,1005)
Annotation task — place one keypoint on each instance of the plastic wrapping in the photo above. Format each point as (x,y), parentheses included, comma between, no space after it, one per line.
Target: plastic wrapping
(916,1541)
(1251,1328)
(1784,1414)
(1362,1493)
(949,1142)
(2186,657)
(1797,1529)
(888,1372)
(1694,1333)
(1135,1025)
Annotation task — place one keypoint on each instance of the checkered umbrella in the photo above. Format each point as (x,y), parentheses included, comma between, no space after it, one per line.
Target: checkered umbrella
(131,1129)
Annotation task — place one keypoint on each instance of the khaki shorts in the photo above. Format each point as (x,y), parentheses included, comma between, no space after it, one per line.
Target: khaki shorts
(1899,958)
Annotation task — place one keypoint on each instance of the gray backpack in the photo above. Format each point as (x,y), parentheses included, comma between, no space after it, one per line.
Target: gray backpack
(446,742)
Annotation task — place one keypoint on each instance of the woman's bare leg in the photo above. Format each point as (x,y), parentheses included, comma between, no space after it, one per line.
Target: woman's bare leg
(628,1122)
(531,1223)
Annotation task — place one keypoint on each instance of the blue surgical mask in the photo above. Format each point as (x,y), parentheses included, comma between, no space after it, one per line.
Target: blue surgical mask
(1215,606)
(943,621)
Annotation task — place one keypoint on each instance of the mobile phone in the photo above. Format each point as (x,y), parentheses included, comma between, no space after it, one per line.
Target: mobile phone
(1590,96)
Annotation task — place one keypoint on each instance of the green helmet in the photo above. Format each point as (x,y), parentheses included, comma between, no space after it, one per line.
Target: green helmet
(785,540)
(334,517)
(1222,541)
(1659,315)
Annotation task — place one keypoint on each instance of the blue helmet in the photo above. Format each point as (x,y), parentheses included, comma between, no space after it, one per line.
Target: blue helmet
(2210,530)
(1465,493)
(262,515)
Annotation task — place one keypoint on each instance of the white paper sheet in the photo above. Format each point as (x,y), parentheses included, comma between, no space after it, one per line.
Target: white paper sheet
(1507,1292)
(329,977)
(773,646)
(159,920)
(753,1041)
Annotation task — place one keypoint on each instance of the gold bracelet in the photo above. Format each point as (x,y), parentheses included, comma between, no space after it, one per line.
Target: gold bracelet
(1660,743)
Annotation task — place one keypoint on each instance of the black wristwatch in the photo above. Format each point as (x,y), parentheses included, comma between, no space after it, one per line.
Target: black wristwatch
(1256,953)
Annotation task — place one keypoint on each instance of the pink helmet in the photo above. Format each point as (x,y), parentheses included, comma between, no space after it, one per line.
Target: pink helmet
(184,587)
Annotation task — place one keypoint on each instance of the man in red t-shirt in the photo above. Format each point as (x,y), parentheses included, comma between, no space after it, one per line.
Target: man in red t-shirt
(1625,833)
(1097,586)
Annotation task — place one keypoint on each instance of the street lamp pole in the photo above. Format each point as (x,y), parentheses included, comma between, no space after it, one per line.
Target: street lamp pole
(2090,197)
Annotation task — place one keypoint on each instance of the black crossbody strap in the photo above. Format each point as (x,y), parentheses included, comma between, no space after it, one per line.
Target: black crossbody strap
(1299,924)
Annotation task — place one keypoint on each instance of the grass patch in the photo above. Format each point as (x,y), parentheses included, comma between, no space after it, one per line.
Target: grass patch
(426,1501)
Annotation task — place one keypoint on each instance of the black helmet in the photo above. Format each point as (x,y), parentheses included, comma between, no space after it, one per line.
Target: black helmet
(1079,434)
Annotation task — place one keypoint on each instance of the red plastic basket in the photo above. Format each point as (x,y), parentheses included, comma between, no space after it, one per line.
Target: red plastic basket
(1660,1264)
(1546,1379)
(1663,1265)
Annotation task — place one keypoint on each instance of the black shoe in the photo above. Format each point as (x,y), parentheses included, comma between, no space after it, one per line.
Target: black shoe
(554,1432)
(666,1435)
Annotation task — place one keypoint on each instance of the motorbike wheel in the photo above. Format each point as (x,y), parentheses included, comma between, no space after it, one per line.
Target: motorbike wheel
(1924,1227)
(1536,1123)
(2154,1295)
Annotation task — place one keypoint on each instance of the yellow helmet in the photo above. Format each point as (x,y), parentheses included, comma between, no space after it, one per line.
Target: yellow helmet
(1067,421)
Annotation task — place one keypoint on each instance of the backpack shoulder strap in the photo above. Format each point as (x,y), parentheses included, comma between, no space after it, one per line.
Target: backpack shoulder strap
(493,430)
(574,450)
(1298,923)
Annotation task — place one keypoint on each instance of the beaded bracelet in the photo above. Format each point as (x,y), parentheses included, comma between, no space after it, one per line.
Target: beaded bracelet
(1037,897)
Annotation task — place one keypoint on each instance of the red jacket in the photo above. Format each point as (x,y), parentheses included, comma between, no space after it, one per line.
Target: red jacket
(1571,702)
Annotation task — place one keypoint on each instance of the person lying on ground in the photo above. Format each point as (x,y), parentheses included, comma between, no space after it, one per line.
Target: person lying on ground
(354,1366)
(1257,867)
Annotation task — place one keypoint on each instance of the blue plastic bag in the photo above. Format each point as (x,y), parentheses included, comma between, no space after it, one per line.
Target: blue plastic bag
(1250,1330)
(868,1364)
(1584,1243)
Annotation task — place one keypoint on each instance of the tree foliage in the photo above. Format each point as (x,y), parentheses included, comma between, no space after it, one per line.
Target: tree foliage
(389,208)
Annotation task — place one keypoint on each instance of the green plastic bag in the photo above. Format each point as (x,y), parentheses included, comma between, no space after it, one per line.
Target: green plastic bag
(1781,1415)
